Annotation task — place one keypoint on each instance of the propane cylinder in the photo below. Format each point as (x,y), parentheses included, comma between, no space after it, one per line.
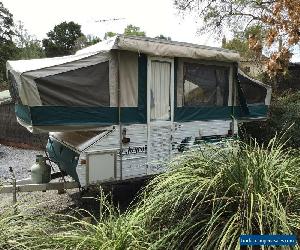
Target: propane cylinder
(40,171)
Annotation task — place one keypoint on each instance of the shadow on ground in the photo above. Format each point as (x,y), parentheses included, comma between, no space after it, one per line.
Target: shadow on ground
(88,201)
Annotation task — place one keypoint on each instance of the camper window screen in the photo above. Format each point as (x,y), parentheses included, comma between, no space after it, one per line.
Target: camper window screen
(205,85)
(253,93)
(87,86)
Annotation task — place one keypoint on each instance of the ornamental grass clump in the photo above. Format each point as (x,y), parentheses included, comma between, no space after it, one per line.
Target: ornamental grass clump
(207,200)
(112,230)
(17,228)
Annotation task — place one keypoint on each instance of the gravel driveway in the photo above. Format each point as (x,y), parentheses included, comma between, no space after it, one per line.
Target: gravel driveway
(19,159)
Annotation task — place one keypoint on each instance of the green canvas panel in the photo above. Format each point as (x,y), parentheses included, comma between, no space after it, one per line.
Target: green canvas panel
(131,115)
(175,81)
(66,158)
(61,115)
(23,113)
(91,116)
(255,111)
(142,85)
(186,114)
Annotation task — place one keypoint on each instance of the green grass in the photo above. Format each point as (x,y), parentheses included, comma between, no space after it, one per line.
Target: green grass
(112,230)
(205,201)
(208,201)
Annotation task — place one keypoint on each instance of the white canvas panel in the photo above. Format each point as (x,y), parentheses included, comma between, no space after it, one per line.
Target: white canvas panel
(113,79)
(160,91)
(53,70)
(30,95)
(179,83)
(129,79)
(104,45)
(31,69)
(164,48)
(22,66)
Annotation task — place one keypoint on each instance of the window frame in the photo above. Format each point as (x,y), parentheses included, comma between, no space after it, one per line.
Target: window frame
(179,91)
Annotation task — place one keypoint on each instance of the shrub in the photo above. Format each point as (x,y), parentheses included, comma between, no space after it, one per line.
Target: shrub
(284,117)
(206,200)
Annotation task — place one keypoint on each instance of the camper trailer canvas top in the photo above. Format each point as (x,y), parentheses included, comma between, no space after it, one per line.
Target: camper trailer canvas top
(135,101)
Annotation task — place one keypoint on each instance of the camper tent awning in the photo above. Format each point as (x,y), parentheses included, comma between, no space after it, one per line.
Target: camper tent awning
(81,91)
(254,98)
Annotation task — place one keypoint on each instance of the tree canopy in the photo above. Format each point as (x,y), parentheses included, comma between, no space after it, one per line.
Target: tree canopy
(163,37)
(8,49)
(28,46)
(6,24)
(84,41)
(62,39)
(109,34)
(280,20)
(132,30)
(240,42)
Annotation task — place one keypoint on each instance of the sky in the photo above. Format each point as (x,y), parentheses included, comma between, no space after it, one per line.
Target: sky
(155,17)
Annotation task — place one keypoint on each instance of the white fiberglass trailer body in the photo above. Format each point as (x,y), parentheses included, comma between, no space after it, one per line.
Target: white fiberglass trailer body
(129,104)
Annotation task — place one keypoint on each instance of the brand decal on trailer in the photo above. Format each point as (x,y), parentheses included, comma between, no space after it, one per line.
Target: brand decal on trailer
(133,150)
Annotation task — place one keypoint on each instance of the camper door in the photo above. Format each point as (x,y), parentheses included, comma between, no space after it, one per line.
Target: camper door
(160,112)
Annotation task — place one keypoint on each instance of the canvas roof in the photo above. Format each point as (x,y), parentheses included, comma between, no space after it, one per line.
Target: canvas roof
(151,46)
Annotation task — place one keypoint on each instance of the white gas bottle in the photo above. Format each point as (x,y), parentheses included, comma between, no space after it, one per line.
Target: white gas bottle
(40,171)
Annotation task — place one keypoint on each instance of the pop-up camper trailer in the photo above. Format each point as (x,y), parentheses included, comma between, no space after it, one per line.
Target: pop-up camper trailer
(118,109)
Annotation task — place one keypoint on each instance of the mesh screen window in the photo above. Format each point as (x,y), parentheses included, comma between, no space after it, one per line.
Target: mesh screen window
(253,93)
(205,85)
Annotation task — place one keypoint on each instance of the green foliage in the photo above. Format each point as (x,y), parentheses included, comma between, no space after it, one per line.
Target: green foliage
(131,30)
(206,200)
(32,50)
(112,231)
(8,50)
(240,43)
(84,41)
(90,40)
(6,24)
(223,15)
(28,46)
(284,117)
(109,34)
(257,30)
(61,40)
(240,46)
(16,228)
(163,37)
